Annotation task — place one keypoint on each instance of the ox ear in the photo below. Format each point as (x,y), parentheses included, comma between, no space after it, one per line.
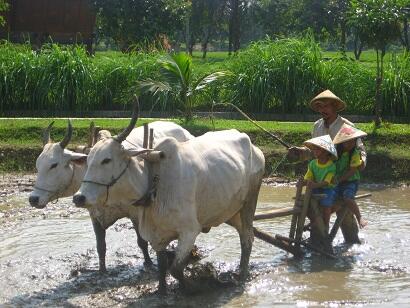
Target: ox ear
(146,154)
(78,158)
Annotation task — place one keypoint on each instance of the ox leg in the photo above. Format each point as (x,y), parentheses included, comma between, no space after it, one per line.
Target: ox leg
(243,222)
(186,242)
(143,245)
(101,245)
(162,271)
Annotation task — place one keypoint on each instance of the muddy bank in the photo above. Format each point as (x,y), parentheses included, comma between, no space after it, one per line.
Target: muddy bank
(15,183)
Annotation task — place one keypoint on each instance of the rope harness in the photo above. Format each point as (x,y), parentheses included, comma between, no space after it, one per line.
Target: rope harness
(56,193)
(111,183)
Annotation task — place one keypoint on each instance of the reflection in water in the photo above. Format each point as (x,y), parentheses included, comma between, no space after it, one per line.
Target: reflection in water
(50,259)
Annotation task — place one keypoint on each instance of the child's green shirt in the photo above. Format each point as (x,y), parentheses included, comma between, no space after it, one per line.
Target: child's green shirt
(343,165)
(321,172)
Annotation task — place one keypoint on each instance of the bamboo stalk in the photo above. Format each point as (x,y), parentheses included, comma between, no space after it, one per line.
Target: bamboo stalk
(278,213)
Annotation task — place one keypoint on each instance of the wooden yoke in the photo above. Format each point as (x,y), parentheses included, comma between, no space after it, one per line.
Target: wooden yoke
(151,139)
(145,140)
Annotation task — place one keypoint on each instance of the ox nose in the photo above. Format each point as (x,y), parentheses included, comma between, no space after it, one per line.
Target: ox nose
(33,200)
(79,200)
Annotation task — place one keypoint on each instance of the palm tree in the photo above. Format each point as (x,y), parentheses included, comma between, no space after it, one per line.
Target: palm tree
(177,82)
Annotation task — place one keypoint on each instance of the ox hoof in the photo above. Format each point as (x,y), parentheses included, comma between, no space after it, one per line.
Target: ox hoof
(162,290)
(102,270)
(148,264)
(190,287)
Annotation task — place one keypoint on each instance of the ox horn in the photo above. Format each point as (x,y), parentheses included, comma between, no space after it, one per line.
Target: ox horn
(67,136)
(124,134)
(46,134)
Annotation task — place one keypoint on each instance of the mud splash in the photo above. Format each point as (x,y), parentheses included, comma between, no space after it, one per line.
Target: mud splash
(47,257)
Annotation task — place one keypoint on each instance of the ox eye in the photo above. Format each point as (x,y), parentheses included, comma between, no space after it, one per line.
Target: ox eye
(106,161)
(53,166)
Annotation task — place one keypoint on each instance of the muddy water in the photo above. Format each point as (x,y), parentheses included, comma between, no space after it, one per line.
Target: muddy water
(48,257)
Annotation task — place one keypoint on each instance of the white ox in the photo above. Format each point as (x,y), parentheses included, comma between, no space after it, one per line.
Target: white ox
(61,171)
(202,183)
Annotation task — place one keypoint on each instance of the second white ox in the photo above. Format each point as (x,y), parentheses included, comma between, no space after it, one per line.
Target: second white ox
(200,183)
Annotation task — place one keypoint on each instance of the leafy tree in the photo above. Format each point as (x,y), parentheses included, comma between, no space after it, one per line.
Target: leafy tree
(339,9)
(405,14)
(177,82)
(3,7)
(275,16)
(377,23)
(139,21)
(314,15)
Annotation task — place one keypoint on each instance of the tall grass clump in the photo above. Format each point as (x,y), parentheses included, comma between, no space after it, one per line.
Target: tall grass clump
(115,78)
(66,78)
(276,75)
(56,78)
(396,86)
(351,81)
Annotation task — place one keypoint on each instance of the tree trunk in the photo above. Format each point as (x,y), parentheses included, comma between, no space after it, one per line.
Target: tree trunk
(188,35)
(343,37)
(234,27)
(377,107)
(357,47)
(405,38)
(205,42)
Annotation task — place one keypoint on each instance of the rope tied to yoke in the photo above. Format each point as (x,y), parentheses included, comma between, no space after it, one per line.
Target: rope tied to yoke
(286,145)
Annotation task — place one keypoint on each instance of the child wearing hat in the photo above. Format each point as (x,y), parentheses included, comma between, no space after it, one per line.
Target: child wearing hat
(347,167)
(321,172)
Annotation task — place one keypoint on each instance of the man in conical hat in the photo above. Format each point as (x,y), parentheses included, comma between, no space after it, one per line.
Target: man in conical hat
(328,105)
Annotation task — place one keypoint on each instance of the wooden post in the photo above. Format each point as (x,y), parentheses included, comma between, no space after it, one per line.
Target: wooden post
(343,212)
(91,136)
(145,140)
(151,138)
(295,215)
(302,216)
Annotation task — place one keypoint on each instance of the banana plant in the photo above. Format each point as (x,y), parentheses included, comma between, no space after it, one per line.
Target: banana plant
(177,81)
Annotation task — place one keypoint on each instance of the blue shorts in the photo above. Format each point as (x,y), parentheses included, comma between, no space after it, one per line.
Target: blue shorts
(347,190)
(330,198)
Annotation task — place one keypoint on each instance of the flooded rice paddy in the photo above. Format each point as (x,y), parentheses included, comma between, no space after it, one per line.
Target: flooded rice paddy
(48,257)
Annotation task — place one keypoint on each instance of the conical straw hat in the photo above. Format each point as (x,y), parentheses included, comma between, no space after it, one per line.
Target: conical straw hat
(327,94)
(324,142)
(347,132)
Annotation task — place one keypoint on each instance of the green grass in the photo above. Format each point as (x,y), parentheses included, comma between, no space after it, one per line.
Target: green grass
(389,146)
(27,132)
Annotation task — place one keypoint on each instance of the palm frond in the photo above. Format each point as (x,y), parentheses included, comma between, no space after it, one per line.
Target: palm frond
(203,82)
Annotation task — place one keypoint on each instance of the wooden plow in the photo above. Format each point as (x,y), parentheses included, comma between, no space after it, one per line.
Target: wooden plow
(320,240)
